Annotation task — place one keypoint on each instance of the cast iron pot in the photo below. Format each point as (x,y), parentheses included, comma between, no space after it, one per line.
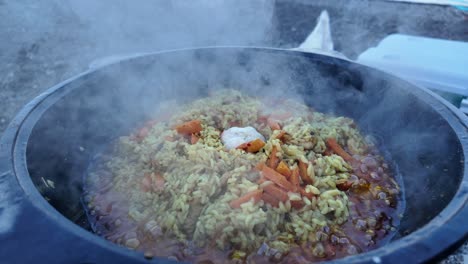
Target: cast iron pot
(56,135)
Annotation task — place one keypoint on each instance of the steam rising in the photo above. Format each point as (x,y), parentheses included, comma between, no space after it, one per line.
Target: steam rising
(149,26)
(119,98)
(103,29)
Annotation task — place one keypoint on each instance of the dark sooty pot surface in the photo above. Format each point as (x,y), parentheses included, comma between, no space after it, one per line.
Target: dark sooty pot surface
(56,135)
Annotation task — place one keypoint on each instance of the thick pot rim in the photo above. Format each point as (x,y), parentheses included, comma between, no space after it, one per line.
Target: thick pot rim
(419,246)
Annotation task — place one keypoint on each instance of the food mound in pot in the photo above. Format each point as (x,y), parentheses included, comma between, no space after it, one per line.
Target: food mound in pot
(232,178)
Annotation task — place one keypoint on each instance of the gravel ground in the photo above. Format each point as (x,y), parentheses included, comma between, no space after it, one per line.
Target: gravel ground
(46,42)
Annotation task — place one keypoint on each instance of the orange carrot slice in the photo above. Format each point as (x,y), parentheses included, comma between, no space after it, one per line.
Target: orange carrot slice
(194,139)
(260,166)
(333,145)
(261,180)
(255,195)
(275,191)
(284,169)
(269,199)
(303,172)
(294,179)
(252,146)
(273,159)
(277,178)
(190,127)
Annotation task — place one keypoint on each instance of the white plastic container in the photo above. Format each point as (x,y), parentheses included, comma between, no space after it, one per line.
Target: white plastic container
(433,63)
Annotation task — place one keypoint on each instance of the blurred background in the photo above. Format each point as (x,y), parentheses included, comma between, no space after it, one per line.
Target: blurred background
(45,42)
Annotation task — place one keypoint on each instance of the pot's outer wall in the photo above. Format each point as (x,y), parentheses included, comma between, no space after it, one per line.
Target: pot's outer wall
(59,131)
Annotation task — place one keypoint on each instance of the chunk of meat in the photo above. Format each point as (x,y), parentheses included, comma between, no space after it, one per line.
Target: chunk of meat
(344,185)
(146,182)
(142,134)
(282,136)
(158,183)
(297,204)
(273,124)
(152,182)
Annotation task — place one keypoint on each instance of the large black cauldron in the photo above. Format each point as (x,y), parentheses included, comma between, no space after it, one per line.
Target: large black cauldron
(55,136)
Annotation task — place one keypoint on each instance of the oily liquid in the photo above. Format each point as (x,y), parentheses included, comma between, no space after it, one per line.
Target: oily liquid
(375,209)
